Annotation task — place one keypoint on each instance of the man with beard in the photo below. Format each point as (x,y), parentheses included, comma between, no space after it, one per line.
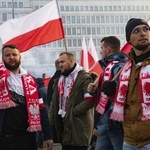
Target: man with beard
(22,114)
(70,109)
(132,97)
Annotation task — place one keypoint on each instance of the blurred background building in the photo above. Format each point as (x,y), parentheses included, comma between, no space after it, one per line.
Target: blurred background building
(98,18)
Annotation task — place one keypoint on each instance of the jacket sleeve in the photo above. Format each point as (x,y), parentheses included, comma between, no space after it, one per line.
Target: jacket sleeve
(88,100)
(46,128)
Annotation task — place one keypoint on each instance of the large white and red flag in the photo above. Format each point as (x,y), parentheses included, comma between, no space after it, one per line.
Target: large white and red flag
(84,56)
(40,27)
(92,54)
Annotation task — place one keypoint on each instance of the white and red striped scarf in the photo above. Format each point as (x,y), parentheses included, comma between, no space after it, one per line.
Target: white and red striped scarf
(103,99)
(65,85)
(144,89)
(31,95)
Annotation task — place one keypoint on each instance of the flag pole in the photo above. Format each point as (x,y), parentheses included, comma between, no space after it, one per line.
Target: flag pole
(65,44)
(64,40)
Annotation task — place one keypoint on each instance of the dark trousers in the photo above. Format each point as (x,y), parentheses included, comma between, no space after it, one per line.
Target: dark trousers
(68,147)
(18,142)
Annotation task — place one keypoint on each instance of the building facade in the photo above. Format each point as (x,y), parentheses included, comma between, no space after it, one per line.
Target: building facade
(98,18)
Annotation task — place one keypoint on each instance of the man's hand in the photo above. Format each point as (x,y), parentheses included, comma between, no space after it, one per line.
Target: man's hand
(92,86)
(109,88)
(95,132)
(49,144)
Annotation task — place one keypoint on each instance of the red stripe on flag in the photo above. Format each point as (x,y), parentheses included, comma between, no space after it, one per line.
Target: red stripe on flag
(90,60)
(96,68)
(126,48)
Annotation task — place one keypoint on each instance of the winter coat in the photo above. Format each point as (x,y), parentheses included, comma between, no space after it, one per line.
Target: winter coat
(136,131)
(76,128)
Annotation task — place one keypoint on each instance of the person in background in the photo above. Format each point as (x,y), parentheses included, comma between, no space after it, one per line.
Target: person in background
(70,109)
(44,76)
(21,113)
(42,89)
(109,132)
(132,102)
(50,84)
(50,92)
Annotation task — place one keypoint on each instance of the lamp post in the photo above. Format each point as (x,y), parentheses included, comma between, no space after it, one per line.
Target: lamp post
(13,13)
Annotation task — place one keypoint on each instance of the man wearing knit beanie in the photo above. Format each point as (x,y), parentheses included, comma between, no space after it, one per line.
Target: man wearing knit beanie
(133,22)
(132,97)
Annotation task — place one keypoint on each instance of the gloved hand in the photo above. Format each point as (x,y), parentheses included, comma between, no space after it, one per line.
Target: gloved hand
(109,88)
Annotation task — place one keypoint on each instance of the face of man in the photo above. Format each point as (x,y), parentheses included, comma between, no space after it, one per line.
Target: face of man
(104,50)
(65,63)
(140,37)
(11,58)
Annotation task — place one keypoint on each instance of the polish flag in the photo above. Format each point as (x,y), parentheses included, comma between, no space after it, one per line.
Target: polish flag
(84,56)
(40,27)
(126,48)
(92,54)
(96,68)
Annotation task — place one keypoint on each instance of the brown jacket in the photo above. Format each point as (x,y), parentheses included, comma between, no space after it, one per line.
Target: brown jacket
(136,131)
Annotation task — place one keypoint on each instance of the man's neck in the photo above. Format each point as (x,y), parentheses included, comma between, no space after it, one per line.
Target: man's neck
(141,52)
(16,71)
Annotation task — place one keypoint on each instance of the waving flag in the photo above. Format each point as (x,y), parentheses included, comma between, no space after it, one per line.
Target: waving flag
(92,54)
(40,27)
(84,56)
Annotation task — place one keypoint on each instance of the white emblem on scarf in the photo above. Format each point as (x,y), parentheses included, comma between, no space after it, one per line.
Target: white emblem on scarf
(65,85)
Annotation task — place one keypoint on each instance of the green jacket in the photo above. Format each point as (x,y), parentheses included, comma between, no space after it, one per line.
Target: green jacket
(76,128)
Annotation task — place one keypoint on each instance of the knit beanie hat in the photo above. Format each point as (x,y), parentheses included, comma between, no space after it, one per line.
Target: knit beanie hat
(133,22)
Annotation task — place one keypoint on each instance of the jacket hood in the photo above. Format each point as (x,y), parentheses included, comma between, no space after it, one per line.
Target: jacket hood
(121,57)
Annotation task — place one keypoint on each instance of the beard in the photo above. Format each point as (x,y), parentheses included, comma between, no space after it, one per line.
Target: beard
(141,47)
(12,67)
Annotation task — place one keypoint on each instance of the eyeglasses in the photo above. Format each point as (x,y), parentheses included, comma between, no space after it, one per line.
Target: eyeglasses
(138,30)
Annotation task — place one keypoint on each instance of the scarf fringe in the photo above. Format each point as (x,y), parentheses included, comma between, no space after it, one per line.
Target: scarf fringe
(34,128)
(7,104)
(100,109)
(116,116)
(62,113)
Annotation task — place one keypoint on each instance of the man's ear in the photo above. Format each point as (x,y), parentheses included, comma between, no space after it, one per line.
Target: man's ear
(108,49)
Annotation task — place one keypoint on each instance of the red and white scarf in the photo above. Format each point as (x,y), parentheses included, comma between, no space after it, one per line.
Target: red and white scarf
(103,99)
(65,85)
(31,95)
(32,102)
(5,98)
(144,89)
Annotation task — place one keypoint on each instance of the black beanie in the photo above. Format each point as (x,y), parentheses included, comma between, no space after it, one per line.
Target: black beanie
(133,22)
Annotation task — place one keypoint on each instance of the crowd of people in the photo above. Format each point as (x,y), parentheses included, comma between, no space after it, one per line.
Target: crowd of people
(77,109)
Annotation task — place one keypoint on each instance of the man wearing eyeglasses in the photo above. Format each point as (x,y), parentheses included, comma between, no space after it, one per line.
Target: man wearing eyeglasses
(132,97)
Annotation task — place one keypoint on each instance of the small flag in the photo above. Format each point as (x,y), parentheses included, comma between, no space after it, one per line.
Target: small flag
(84,56)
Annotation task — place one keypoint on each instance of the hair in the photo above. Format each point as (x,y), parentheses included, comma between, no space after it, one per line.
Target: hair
(57,64)
(113,42)
(44,74)
(12,46)
(69,55)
